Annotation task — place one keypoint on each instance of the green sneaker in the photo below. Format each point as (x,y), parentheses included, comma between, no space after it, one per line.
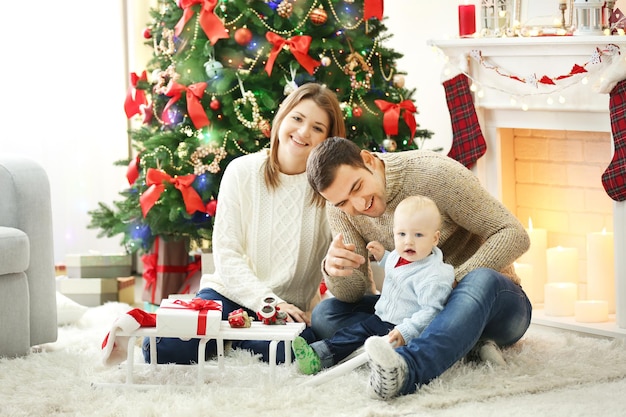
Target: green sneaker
(306,358)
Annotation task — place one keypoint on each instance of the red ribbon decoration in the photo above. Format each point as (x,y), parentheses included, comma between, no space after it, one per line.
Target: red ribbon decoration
(193,94)
(155,180)
(392,115)
(210,23)
(134,97)
(203,307)
(299,47)
(132,172)
(192,268)
(373,8)
(151,268)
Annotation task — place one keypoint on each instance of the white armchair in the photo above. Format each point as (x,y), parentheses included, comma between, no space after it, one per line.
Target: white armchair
(27,282)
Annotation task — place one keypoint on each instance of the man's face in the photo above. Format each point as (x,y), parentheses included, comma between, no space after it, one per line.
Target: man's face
(357,191)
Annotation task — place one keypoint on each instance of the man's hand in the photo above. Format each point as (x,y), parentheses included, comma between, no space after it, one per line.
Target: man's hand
(341,259)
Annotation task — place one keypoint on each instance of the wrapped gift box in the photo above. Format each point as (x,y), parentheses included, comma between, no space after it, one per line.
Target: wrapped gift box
(176,317)
(126,290)
(165,269)
(90,292)
(98,265)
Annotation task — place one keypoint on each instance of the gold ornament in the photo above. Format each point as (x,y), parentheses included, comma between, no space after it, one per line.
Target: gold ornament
(355,62)
(398,80)
(285,9)
(199,167)
(326,61)
(390,145)
(248,96)
(318,16)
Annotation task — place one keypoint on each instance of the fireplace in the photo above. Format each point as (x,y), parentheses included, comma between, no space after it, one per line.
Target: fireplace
(537,90)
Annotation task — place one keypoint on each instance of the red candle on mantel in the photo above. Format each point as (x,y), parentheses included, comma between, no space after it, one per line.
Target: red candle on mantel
(467,19)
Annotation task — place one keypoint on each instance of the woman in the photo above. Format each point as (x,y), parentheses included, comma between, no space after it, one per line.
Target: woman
(269,237)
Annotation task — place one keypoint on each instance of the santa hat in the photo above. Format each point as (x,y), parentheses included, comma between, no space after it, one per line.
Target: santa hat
(115,348)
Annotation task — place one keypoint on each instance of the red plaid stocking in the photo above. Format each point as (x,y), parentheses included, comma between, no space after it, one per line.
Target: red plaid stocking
(614,178)
(468,143)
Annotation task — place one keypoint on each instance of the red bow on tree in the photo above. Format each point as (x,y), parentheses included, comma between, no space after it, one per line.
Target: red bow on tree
(210,23)
(155,180)
(392,115)
(299,47)
(194,108)
(373,8)
(132,172)
(135,98)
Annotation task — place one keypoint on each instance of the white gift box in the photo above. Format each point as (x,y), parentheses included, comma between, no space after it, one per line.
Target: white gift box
(182,318)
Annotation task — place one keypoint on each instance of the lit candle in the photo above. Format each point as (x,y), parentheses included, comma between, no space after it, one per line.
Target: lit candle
(529,283)
(536,256)
(591,311)
(467,19)
(562,264)
(601,268)
(560,298)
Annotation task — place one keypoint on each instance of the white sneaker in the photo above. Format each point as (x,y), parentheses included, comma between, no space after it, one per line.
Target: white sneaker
(387,369)
(488,351)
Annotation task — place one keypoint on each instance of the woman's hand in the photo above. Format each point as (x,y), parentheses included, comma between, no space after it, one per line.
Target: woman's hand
(294,313)
(395,338)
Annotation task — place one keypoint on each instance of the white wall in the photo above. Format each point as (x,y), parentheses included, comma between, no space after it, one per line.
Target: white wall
(64,75)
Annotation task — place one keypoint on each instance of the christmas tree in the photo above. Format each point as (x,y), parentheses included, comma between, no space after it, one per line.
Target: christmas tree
(219,71)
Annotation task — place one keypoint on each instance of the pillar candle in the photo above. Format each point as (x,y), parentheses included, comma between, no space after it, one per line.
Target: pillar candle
(529,283)
(467,19)
(562,264)
(591,311)
(560,298)
(601,268)
(536,256)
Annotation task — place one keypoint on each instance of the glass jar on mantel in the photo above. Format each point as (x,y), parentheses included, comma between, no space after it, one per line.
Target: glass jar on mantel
(496,16)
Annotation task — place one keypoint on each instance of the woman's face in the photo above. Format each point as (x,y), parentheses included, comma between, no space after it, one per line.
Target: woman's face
(303,128)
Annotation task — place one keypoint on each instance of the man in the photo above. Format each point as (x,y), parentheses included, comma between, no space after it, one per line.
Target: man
(479,237)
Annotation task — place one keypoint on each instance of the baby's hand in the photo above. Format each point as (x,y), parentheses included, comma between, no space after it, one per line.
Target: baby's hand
(376,249)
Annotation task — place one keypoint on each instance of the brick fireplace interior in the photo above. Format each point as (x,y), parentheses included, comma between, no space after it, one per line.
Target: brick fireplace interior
(552,179)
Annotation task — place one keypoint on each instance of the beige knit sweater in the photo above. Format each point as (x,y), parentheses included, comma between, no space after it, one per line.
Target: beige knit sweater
(477,230)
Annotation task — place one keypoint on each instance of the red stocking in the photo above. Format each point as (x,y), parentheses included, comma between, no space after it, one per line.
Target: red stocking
(614,178)
(468,143)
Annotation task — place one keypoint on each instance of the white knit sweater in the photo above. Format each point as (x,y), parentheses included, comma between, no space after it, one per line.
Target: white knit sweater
(266,243)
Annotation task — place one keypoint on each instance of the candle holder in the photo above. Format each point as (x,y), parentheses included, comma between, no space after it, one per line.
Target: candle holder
(588,17)
(495,16)
(562,8)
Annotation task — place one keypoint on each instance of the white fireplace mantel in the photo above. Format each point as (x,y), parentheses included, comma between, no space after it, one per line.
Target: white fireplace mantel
(572,103)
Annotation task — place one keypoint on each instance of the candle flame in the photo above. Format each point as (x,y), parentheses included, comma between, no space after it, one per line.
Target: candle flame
(530,224)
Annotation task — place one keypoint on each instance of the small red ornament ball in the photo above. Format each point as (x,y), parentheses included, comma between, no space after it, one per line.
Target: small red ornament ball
(211,207)
(318,16)
(215,104)
(357,112)
(243,36)
(147,33)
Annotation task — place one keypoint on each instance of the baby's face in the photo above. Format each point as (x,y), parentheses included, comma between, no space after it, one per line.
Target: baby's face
(415,234)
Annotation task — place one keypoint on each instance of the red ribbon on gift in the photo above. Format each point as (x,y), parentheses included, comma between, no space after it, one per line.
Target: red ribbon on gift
(135,98)
(203,307)
(132,172)
(156,179)
(392,115)
(210,23)
(192,268)
(299,47)
(151,267)
(373,8)
(194,108)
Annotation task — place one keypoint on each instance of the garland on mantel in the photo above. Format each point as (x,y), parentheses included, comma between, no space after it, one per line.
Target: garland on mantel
(532,79)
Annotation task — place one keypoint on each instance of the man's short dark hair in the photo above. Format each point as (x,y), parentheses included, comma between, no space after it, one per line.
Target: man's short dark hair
(326,158)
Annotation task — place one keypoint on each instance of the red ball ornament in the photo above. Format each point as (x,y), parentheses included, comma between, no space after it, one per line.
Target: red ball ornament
(215,104)
(147,33)
(243,36)
(357,112)
(318,16)
(211,207)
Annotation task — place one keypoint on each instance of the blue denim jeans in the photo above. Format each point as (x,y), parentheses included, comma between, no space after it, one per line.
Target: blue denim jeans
(332,314)
(185,352)
(347,340)
(484,305)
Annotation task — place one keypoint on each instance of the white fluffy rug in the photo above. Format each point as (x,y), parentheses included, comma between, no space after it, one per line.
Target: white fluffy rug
(547,374)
